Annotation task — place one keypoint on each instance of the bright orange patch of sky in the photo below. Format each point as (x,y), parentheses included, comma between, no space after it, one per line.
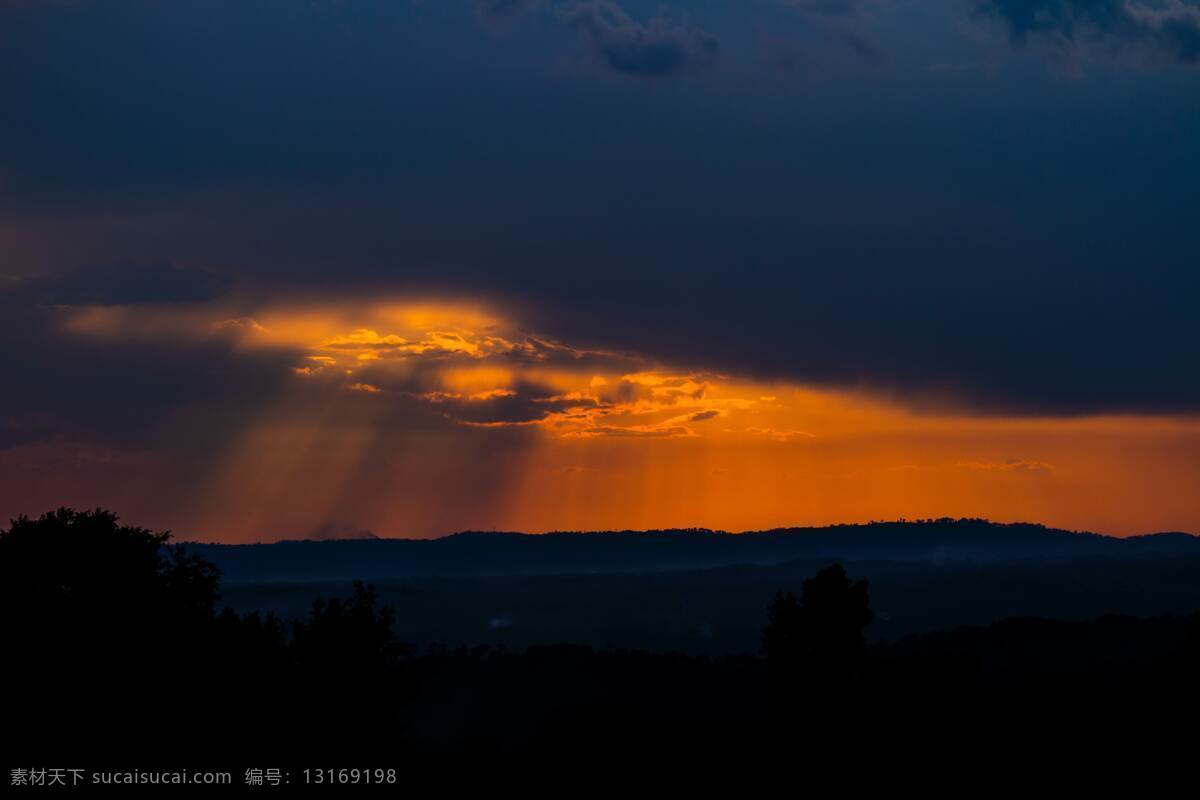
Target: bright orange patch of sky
(533,434)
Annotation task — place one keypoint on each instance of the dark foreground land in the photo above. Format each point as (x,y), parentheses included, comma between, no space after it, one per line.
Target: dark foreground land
(119,643)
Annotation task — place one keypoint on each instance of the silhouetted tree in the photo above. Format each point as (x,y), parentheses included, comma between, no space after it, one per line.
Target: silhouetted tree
(823,630)
(350,633)
(781,640)
(252,638)
(80,580)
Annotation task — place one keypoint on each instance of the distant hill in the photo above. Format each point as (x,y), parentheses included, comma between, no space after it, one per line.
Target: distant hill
(517,554)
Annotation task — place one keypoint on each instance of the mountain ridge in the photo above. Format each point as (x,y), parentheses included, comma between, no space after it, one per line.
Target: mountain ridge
(563,552)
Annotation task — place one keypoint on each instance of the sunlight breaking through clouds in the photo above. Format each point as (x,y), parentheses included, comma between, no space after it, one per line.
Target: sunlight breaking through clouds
(425,417)
(497,376)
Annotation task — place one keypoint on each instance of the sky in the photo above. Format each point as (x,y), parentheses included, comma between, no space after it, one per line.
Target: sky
(281,268)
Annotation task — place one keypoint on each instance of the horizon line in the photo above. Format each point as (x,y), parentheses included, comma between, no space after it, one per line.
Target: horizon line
(373,537)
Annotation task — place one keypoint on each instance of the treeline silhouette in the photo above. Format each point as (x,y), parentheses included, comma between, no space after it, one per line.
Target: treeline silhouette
(622,552)
(105,621)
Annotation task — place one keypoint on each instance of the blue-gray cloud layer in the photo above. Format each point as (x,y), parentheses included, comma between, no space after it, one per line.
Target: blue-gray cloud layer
(656,48)
(1167,30)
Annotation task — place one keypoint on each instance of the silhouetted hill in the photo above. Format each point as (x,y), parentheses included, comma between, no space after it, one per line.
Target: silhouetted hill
(479,554)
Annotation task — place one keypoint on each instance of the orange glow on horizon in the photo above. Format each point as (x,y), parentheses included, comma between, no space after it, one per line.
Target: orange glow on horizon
(426,418)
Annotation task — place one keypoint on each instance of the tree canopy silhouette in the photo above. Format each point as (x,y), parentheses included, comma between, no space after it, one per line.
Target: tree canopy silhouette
(823,630)
(346,633)
(97,609)
(73,578)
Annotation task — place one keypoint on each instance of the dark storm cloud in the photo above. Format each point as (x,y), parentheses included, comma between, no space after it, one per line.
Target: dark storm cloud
(82,386)
(1070,310)
(1015,327)
(524,403)
(79,386)
(656,48)
(125,284)
(1169,30)
(864,51)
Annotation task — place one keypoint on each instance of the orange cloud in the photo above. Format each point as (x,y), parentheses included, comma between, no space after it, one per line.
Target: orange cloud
(778,435)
